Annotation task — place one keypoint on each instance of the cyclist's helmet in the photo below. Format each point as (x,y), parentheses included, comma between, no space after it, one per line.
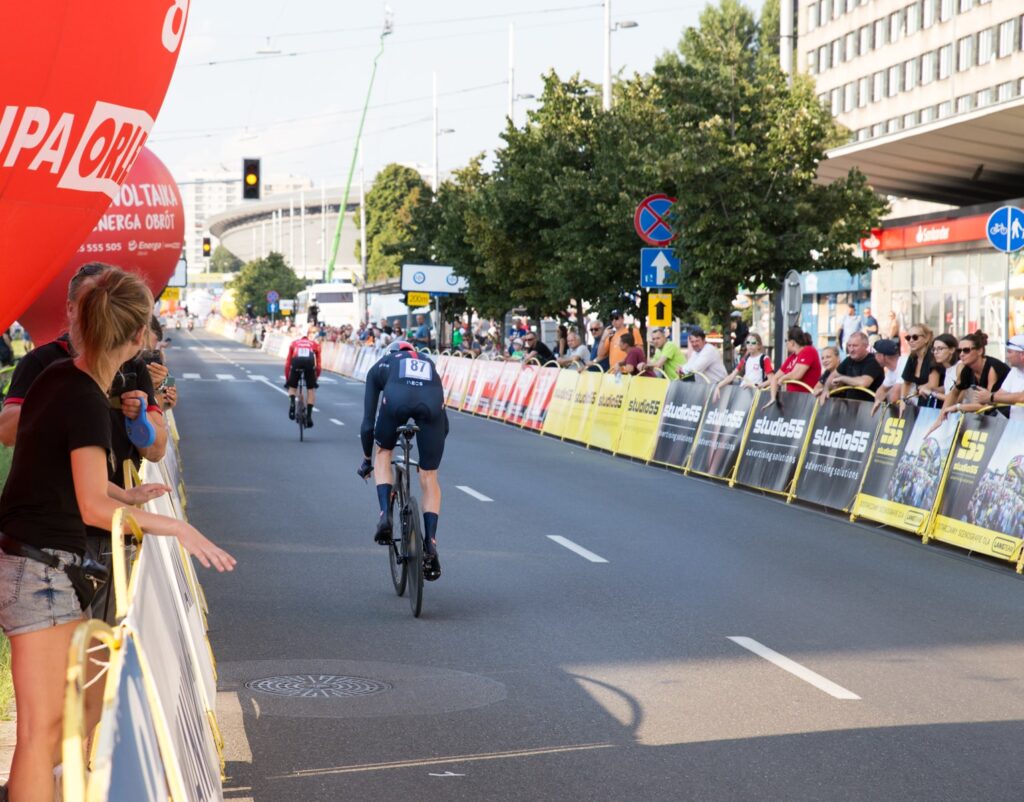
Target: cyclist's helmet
(401,345)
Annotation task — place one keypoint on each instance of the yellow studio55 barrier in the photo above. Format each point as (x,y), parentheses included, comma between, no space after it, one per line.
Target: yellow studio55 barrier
(157,737)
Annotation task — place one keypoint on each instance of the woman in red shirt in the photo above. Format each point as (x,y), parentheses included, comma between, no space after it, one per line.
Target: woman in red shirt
(802,365)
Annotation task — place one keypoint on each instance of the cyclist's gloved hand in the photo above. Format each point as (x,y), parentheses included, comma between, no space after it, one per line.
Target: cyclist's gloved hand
(365,469)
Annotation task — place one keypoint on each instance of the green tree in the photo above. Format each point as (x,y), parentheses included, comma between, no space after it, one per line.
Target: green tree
(397,222)
(746,162)
(223,261)
(259,277)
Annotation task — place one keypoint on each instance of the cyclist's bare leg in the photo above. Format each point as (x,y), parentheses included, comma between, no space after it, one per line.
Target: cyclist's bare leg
(382,466)
(430,492)
(310,397)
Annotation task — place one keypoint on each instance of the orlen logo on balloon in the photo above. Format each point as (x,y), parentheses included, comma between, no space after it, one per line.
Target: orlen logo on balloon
(106,150)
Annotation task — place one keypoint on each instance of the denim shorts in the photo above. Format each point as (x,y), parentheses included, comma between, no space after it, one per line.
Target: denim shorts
(34,596)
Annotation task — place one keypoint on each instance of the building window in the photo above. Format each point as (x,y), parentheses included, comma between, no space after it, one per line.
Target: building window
(851,46)
(964,103)
(823,63)
(910,73)
(965,54)
(880,30)
(986,45)
(913,16)
(945,62)
(812,57)
(865,39)
(963,6)
(928,8)
(928,61)
(826,12)
(877,86)
(945,10)
(849,96)
(836,101)
(1007,37)
(837,52)
(927,114)
(893,125)
(1006,91)
(894,82)
(945,109)
(850,5)
(895,25)
(877,129)
(985,97)
(863,92)
(910,120)
(863,133)
(812,17)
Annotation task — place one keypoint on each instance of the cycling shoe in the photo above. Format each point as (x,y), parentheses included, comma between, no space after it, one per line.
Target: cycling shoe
(383,535)
(431,567)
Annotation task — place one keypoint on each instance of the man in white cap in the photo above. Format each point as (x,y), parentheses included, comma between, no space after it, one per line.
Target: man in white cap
(1012,389)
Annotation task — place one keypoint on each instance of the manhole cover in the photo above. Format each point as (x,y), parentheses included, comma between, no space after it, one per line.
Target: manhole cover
(317,686)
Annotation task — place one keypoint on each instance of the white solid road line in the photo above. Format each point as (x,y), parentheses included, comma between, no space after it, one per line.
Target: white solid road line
(337,422)
(584,553)
(270,384)
(469,491)
(794,668)
(190,375)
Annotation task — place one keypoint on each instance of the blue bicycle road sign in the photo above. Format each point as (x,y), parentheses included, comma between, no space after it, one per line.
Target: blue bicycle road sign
(659,267)
(1005,229)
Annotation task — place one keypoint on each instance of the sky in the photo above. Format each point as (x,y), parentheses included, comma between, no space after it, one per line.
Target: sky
(298,110)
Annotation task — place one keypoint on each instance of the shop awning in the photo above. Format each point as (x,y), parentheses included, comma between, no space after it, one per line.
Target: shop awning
(971,158)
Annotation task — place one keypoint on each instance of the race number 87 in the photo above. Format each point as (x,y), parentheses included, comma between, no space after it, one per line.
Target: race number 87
(415,369)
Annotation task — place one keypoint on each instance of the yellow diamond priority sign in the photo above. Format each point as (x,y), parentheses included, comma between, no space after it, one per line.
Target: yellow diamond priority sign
(414,300)
(659,309)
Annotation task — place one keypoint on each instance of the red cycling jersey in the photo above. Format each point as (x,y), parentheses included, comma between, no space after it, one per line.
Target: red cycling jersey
(303,348)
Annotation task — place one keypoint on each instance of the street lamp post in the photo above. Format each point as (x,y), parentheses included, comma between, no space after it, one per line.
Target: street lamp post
(435,181)
(606,96)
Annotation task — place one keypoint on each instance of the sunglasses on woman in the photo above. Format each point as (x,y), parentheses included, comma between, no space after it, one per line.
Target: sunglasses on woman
(965,350)
(912,337)
(752,342)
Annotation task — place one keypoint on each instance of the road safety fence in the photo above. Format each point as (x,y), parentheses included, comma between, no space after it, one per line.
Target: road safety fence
(961,483)
(157,738)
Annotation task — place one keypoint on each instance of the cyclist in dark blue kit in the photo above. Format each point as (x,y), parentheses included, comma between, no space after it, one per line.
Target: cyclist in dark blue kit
(411,389)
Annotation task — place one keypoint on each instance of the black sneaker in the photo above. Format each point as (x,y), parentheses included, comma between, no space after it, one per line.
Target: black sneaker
(291,408)
(383,535)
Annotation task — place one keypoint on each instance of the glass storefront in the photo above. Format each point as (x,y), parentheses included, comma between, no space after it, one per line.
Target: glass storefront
(955,293)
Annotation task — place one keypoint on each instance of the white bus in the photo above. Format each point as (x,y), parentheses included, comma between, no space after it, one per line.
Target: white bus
(339,303)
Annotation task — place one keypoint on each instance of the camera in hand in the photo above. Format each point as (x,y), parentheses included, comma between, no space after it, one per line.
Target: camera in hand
(123,383)
(152,355)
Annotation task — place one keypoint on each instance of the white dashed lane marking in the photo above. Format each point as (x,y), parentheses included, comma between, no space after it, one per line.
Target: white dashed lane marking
(794,668)
(190,375)
(225,377)
(469,491)
(575,547)
(337,422)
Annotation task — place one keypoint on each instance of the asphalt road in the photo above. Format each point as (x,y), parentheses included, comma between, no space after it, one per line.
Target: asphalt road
(538,673)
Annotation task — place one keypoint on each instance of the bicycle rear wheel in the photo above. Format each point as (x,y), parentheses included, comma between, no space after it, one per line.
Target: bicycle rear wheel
(412,537)
(300,412)
(396,561)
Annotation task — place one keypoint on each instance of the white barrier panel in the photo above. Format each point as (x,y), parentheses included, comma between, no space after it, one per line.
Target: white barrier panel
(126,764)
(155,616)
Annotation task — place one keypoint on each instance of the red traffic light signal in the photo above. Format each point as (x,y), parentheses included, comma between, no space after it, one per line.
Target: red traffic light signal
(207,246)
(251,179)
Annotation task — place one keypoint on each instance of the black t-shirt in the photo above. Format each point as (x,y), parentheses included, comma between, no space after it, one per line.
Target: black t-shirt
(64,410)
(920,376)
(543,353)
(967,380)
(866,367)
(33,364)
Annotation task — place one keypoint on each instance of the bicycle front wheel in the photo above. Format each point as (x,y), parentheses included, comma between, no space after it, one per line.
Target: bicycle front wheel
(412,537)
(396,561)
(300,416)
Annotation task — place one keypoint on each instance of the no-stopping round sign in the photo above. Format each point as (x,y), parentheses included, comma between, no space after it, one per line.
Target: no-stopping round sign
(651,220)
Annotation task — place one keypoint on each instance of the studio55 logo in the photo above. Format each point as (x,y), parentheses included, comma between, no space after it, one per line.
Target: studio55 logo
(892,432)
(972,446)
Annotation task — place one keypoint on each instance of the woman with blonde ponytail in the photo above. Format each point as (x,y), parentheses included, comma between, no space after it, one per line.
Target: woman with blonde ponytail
(57,486)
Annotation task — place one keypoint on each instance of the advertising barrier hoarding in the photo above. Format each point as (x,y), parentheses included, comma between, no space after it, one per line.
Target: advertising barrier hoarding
(641,417)
(681,415)
(606,419)
(584,401)
(540,398)
(721,432)
(982,502)
(907,464)
(837,453)
(777,436)
(558,417)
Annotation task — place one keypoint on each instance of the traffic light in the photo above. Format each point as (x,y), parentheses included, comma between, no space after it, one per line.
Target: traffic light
(207,247)
(251,179)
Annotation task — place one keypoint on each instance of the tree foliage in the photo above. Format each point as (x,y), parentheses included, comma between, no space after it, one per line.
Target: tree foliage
(749,146)
(259,277)
(224,261)
(397,222)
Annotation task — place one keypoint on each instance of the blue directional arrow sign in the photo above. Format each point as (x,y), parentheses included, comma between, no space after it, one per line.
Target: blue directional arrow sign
(658,268)
(272,307)
(1005,229)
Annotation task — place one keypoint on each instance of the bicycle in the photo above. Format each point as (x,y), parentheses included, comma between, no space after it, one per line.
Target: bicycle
(300,406)
(405,556)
